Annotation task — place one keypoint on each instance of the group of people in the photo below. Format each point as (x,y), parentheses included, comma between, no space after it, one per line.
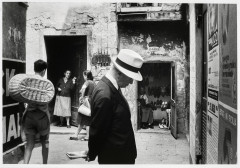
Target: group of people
(62,106)
(109,129)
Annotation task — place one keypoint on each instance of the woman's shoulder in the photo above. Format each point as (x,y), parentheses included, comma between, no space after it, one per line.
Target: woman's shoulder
(90,82)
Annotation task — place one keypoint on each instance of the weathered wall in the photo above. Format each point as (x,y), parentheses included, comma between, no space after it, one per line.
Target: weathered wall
(196,55)
(159,42)
(13,62)
(95,20)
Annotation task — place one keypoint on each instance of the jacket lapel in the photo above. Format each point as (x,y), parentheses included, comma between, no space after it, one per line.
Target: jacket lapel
(123,101)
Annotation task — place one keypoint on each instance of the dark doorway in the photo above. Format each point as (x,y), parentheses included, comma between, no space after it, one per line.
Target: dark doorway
(156,85)
(66,52)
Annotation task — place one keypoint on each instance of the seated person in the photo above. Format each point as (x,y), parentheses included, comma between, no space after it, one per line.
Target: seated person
(147,112)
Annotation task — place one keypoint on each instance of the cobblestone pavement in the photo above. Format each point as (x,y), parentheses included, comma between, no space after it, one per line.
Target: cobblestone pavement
(153,147)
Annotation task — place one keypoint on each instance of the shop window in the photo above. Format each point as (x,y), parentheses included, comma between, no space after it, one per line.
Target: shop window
(154,95)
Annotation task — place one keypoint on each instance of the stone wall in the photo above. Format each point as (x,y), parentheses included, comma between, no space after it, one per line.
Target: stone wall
(159,42)
(95,20)
(98,22)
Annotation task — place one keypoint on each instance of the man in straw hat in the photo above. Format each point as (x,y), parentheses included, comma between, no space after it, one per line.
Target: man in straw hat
(111,136)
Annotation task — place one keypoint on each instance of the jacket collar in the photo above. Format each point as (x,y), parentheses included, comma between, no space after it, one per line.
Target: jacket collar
(112,80)
(113,88)
(110,84)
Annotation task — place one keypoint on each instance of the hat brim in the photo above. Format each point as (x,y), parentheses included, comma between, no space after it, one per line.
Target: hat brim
(136,76)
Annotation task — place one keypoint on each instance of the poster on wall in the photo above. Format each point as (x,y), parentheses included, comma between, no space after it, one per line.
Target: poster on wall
(228,58)
(228,85)
(213,85)
(227,136)
(12,111)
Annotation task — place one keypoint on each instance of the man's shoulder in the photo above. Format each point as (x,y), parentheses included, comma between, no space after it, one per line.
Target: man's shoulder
(102,89)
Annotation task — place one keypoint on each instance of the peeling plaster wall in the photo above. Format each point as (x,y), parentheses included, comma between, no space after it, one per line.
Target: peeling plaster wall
(14,31)
(158,42)
(95,20)
(196,50)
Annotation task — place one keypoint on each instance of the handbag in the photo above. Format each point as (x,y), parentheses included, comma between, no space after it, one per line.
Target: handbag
(85,108)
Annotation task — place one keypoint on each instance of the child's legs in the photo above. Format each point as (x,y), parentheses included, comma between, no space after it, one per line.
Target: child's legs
(29,147)
(45,148)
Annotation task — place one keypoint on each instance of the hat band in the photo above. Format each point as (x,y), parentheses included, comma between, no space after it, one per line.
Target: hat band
(126,66)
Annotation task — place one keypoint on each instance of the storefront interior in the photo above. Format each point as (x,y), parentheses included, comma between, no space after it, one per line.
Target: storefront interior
(156,84)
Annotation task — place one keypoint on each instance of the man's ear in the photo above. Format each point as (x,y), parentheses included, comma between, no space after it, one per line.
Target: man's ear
(43,72)
(119,73)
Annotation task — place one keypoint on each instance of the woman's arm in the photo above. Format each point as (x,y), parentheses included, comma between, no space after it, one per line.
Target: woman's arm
(58,88)
(72,83)
(82,92)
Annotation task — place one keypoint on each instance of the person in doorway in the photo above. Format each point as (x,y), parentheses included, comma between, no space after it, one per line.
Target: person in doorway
(86,93)
(36,121)
(62,106)
(147,112)
(111,136)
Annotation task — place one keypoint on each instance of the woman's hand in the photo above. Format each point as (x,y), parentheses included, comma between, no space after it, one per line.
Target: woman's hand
(74,80)
(81,100)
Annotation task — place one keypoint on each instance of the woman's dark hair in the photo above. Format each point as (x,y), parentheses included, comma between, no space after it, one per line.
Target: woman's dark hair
(88,74)
(40,65)
(67,70)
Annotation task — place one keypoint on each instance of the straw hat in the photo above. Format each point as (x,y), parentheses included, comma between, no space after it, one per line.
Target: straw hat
(129,62)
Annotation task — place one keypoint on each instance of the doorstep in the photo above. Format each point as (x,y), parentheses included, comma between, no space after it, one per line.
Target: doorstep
(64,130)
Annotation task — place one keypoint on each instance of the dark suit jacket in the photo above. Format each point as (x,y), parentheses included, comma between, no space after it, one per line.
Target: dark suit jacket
(111,136)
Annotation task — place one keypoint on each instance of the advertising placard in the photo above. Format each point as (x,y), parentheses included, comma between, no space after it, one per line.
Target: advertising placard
(228,56)
(213,85)
(9,69)
(227,136)
(228,85)
(12,111)
(11,129)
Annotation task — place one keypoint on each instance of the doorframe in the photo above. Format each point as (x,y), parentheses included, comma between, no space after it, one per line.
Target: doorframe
(88,57)
(87,33)
(173,126)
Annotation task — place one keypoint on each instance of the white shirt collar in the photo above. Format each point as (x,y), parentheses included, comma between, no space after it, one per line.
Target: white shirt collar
(112,80)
